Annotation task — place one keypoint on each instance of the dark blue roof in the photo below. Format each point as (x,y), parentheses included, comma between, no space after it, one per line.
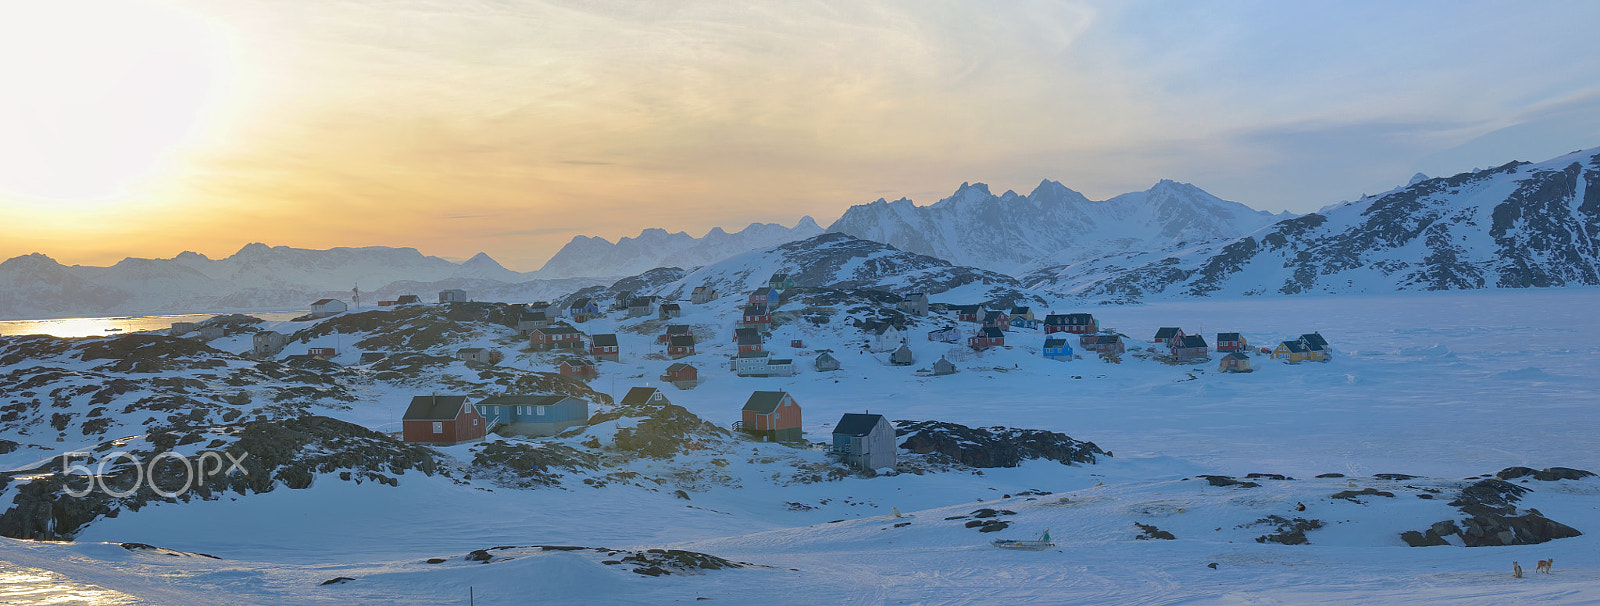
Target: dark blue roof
(856,424)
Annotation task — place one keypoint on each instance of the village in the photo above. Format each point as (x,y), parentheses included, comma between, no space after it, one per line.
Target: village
(753,345)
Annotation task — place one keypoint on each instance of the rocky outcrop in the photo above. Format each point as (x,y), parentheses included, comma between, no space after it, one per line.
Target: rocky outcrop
(993,446)
(1492,517)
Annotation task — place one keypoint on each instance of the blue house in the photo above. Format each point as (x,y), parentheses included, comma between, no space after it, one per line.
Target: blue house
(1057,349)
(533,415)
(1024,322)
(584,309)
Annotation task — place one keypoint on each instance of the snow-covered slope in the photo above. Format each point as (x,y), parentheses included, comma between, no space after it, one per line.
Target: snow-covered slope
(1013,233)
(596,257)
(258,276)
(1515,226)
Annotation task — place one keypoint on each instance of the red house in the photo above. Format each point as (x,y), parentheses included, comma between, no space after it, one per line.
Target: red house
(320,352)
(1078,324)
(1166,334)
(968,313)
(771,415)
(1189,347)
(680,345)
(578,368)
(1102,344)
(1231,341)
(756,314)
(987,337)
(673,330)
(682,376)
(749,339)
(442,420)
(762,296)
(997,319)
(555,337)
(604,347)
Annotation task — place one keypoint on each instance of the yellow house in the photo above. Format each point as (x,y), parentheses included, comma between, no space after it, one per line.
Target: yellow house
(1293,351)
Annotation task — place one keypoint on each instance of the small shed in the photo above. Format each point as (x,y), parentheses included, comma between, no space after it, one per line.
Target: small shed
(702,295)
(408,299)
(533,415)
(948,334)
(453,295)
(441,420)
(902,356)
(1057,349)
(670,310)
(943,367)
(1234,362)
(478,354)
(864,441)
(681,375)
(773,416)
(826,362)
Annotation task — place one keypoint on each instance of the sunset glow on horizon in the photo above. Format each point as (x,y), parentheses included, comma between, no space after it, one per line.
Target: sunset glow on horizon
(148,127)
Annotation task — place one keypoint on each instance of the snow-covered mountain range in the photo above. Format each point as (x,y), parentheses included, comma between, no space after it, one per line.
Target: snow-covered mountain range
(1014,233)
(1514,226)
(597,257)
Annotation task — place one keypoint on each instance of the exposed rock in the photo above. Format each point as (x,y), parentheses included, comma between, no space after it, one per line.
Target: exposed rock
(1549,474)
(993,446)
(1351,495)
(1149,531)
(1288,531)
(1221,481)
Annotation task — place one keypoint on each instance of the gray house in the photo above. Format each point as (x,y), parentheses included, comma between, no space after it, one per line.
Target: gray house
(827,362)
(453,295)
(943,367)
(266,343)
(702,295)
(181,328)
(533,415)
(864,441)
(902,356)
(915,304)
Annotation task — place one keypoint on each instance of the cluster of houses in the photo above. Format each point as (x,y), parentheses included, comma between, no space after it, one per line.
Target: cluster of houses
(861,440)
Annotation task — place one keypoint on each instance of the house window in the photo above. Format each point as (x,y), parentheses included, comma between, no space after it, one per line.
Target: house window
(538,410)
(438,427)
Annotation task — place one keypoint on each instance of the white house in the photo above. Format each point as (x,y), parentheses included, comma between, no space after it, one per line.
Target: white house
(328,307)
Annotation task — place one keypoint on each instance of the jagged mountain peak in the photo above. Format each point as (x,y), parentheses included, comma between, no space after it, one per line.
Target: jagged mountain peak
(655,247)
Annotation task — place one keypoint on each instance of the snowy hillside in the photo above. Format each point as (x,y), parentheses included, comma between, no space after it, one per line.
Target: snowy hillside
(588,256)
(256,277)
(1013,233)
(1515,226)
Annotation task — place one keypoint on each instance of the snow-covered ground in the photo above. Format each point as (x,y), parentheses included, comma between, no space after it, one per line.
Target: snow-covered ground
(1439,385)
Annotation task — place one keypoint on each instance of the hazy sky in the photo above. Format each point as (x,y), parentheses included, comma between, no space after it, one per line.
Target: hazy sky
(146,127)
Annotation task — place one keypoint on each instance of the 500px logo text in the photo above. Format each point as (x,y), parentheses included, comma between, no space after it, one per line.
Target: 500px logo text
(206,464)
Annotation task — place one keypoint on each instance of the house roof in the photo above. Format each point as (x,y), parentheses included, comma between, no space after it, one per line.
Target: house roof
(607,340)
(778,277)
(943,361)
(556,330)
(825,356)
(1227,336)
(991,332)
(434,408)
(1055,320)
(671,306)
(764,402)
(1237,356)
(753,354)
(583,302)
(576,363)
(880,328)
(1080,318)
(535,316)
(1017,311)
(1314,339)
(764,291)
(748,336)
(677,329)
(701,289)
(968,309)
(1055,343)
(1191,341)
(546,400)
(856,424)
(993,314)
(469,350)
(640,395)
(1168,332)
(639,302)
(1293,346)
(678,367)
(779,361)
(324,302)
(680,341)
(755,310)
(902,353)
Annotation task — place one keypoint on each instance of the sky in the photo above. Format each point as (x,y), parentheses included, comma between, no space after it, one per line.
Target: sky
(148,127)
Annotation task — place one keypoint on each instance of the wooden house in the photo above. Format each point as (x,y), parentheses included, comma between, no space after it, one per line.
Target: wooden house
(478,354)
(756,315)
(750,363)
(915,304)
(826,362)
(321,353)
(323,308)
(945,335)
(1057,348)
(604,347)
(864,441)
(1189,347)
(1234,362)
(943,367)
(987,337)
(772,416)
(621,300)
(672,331)
(1077,324)
(1296,351)
(555,337)
(748,339)
(267,342)
(968,313)
(644,396)
(535,416)
(669,311)
(997,319)
(1023,311)
(639,307)
(407,300)
(583,310)
(1105,345)
(1166,334)
(1316,344)
(681,375)
(883,336)
(1231,341)
(530,320)
(1024,323)
(902,356)
(573,367)
(679,346)
(441,421)
(780,281)
(453,295)
(764,296)
(702,295)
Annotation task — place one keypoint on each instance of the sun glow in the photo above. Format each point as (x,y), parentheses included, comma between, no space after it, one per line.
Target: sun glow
(96,94)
